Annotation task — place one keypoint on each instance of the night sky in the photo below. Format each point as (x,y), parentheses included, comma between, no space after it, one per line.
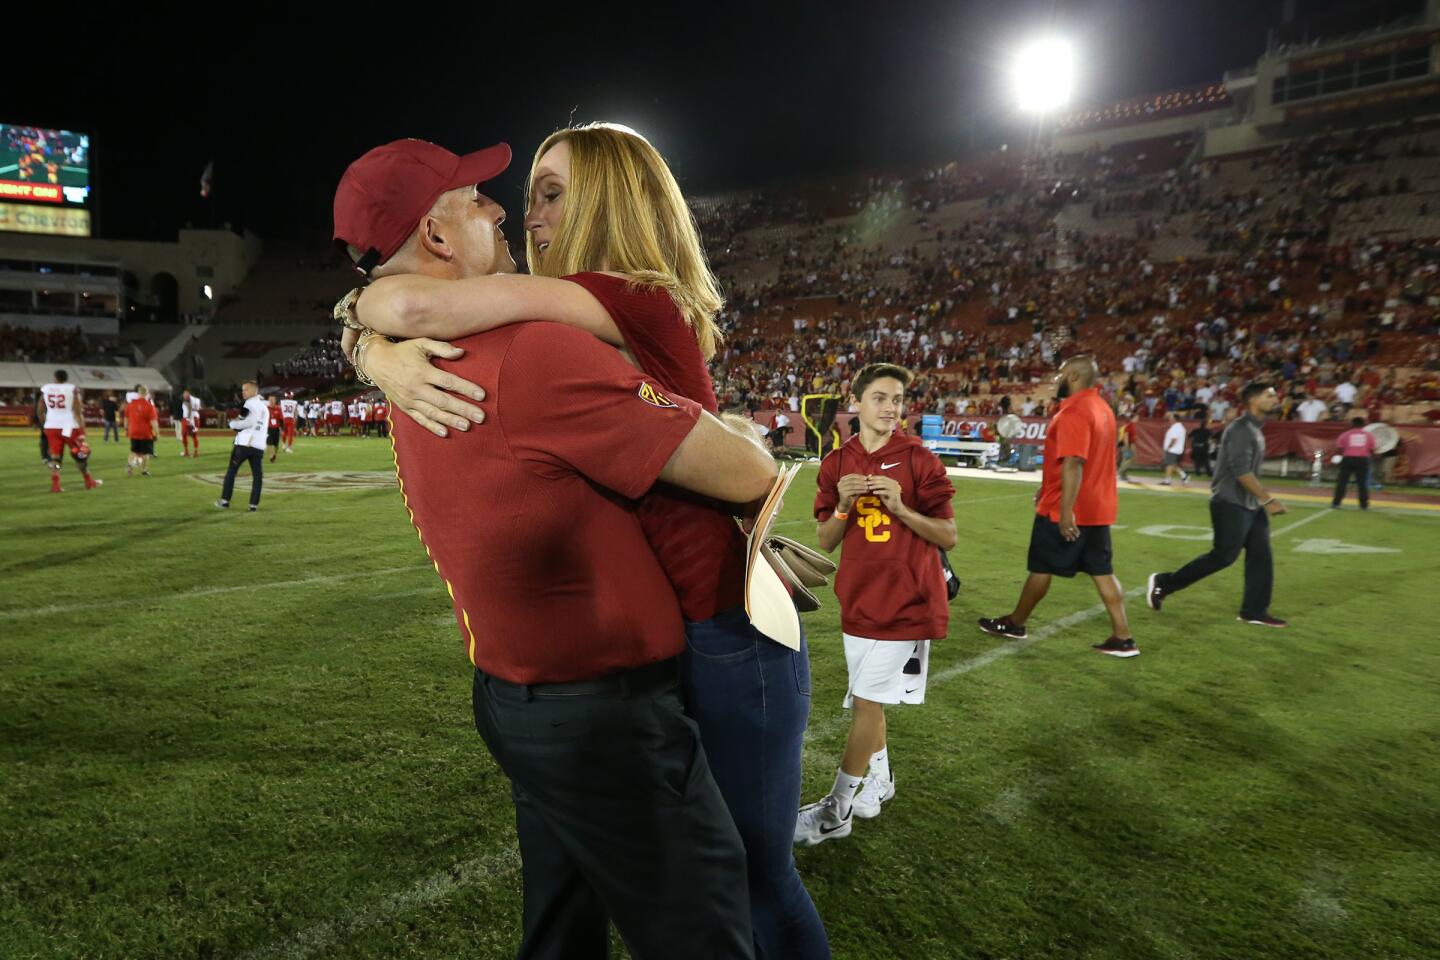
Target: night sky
(733,94)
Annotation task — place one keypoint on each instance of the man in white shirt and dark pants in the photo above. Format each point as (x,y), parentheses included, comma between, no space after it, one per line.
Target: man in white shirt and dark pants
(249,446)
(1174,449)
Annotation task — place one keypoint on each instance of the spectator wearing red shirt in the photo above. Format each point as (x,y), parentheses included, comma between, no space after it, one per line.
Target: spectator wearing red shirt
(141,424)
(886,498)
(272,431)
(563,606)
(1074,509)
(382,419)
(749,695)
(1356,446)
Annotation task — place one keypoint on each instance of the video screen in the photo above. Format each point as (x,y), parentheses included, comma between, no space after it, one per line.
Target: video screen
(38,165)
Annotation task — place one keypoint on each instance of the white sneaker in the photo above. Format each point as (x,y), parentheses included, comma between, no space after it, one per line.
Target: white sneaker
(1184,479)
(874,793)
(821,821)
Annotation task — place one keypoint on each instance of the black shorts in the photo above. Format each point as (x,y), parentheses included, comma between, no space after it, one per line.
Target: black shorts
(272,437)
(147,447)
(1053,554)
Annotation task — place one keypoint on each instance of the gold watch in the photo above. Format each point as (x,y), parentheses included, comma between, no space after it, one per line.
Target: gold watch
(345,310)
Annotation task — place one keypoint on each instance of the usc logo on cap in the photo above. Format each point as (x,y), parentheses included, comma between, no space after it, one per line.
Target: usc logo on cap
(654,397)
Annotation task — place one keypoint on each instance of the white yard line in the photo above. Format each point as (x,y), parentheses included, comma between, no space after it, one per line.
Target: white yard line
(29,612)
(322,936)
(1319,512)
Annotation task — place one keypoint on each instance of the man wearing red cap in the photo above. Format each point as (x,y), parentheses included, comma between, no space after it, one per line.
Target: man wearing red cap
(564,611)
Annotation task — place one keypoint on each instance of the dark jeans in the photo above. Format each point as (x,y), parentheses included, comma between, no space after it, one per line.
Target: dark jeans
(1236,529)
(618,819)
(1359,468)
(243,454)
(1202,462)
(751,698)
(111,427)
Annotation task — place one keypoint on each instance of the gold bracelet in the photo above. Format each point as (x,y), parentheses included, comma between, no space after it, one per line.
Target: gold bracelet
(360,346)
(345,310)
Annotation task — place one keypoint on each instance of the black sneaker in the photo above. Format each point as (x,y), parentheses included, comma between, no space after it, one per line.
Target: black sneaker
(1154,596)
(1002,627)
(253,508)
(223,504)
(1264,620)
(1117,648)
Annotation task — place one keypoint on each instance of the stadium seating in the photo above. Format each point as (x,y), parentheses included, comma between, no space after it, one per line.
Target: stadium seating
(981,273)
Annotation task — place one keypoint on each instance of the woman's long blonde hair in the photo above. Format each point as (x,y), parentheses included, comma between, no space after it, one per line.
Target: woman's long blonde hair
(624,212)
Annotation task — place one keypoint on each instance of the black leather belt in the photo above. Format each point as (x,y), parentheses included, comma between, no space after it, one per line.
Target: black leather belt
(621,683)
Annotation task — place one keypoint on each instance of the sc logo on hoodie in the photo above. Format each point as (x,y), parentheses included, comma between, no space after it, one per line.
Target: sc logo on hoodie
(872,517)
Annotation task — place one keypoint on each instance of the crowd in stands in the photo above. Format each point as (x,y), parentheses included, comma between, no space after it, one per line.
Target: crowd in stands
(24,345)
(982,274)
(987,305)
(320,359)
(1209,96)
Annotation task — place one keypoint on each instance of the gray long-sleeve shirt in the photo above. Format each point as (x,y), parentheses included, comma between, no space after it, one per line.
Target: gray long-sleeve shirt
(1242,451)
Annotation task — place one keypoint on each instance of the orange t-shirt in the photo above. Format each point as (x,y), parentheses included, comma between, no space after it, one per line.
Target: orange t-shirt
(1083,427)
(140,419)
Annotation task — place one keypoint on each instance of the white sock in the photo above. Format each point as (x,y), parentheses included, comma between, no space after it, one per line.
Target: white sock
(844,791)
(880,764)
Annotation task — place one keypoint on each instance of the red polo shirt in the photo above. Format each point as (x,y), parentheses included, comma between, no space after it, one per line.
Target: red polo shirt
(696,540)
(530,521)
(1083,427)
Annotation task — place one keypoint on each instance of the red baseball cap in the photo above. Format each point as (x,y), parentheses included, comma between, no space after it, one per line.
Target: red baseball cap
(384,194)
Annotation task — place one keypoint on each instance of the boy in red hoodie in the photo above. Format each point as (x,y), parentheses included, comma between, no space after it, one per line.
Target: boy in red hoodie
(887,499)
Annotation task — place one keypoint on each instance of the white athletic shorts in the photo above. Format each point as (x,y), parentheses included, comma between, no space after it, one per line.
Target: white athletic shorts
(877,670)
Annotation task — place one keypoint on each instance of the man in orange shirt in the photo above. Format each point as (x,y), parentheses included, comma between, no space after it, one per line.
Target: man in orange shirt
(1074,508)
(142,424)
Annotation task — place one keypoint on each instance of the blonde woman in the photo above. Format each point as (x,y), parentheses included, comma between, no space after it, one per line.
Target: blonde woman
(613,250)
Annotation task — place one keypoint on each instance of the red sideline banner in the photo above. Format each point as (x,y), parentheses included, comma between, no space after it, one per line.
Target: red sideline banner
(20,416)
(1419,454)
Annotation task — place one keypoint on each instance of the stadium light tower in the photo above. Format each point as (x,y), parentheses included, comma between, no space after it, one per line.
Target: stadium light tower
(1043,74)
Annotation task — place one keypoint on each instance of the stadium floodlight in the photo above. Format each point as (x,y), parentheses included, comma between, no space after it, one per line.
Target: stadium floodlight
(209,293)
(1042,72)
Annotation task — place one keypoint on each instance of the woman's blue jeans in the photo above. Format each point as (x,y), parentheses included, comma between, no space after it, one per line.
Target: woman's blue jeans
(751,699)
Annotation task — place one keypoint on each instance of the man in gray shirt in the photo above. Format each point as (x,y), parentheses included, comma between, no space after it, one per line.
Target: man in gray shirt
(1240,511)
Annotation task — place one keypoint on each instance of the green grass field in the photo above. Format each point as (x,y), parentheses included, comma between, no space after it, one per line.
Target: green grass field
(226,735)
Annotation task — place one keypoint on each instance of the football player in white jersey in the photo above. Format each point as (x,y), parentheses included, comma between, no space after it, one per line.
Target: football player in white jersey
(337,410)
(288,407)
(189,424)
(64,426)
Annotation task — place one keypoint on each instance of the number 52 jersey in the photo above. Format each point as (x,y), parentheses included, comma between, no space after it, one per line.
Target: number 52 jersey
(890,584)
(59,399)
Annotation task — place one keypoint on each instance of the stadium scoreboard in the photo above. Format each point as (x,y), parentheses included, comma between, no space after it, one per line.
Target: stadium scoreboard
(44,181)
